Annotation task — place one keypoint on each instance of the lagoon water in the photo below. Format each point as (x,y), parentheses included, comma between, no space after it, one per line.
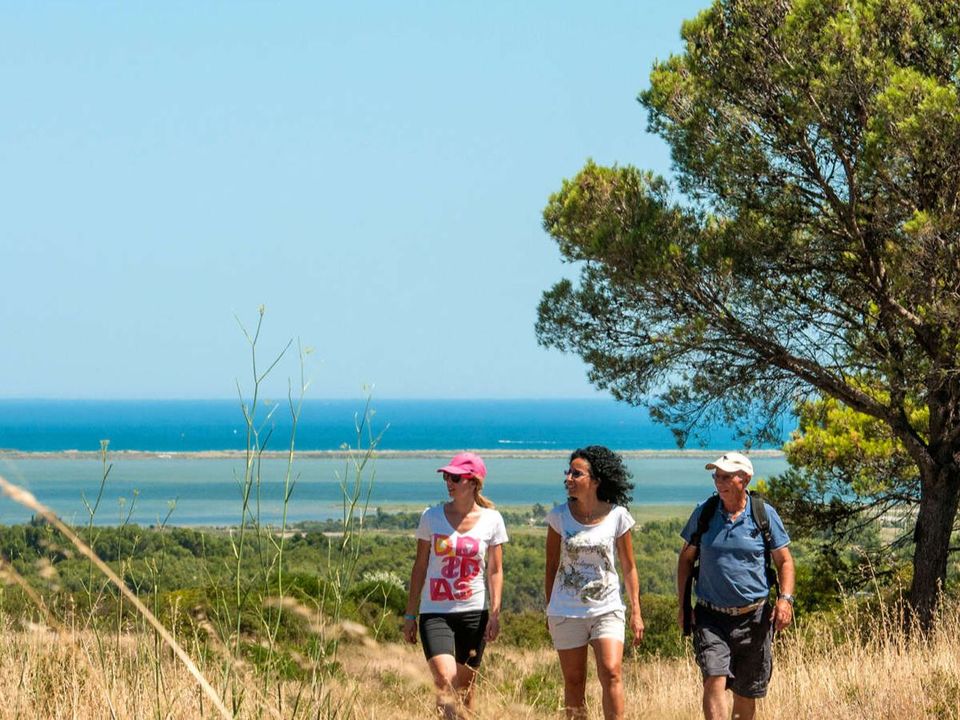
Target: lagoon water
(207,493)
(205,490)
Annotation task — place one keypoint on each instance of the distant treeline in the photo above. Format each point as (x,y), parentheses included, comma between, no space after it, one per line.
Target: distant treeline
(190,567)
(381,520)
(177,568)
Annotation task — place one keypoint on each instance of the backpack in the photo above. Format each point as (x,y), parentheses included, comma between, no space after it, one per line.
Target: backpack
(758,509)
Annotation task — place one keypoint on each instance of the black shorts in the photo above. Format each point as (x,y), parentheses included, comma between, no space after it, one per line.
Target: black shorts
(739,647)
(457,634)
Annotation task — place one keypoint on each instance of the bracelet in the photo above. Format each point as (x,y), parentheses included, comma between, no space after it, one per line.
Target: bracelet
(409,617)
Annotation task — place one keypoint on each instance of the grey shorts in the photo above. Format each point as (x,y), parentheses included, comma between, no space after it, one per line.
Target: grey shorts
(737,647)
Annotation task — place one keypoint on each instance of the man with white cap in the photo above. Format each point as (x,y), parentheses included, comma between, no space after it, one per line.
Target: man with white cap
(735,535)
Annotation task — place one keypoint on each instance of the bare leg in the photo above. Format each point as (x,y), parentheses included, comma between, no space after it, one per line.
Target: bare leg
(464,685)
(744,708)
(444,671)
(715,697)
(573,664)
(609,655)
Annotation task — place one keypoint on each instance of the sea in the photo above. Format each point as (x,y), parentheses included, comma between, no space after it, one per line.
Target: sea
(183,461)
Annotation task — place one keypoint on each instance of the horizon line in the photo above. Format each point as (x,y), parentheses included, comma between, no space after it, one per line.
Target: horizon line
(39,398)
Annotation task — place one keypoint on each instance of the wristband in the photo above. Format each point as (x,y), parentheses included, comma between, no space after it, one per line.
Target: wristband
(409,617)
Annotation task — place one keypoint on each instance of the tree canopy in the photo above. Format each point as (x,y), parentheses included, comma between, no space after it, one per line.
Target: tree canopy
(806,246)
(850,486)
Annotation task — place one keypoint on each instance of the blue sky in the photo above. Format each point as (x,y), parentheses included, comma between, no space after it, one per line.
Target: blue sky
(371,172)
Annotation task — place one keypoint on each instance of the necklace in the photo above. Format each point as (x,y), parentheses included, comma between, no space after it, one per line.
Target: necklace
(585,518)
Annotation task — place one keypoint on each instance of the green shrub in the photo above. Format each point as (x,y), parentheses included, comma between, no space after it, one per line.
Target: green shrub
(526,629)
(661,635)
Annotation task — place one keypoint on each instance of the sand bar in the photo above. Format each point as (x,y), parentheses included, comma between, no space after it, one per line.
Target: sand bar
(340,454)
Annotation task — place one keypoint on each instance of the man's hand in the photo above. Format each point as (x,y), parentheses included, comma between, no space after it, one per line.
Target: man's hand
(693,618)
(782,615)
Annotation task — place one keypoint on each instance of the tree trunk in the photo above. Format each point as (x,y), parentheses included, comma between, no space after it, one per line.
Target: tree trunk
(940,491)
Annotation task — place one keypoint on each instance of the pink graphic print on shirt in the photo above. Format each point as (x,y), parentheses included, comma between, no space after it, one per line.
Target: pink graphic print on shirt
(460,564)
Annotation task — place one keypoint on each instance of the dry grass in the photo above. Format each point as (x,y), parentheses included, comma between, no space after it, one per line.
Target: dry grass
(817,675)
(45,674)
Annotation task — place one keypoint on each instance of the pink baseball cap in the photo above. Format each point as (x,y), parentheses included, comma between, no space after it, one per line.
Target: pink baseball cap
(466,463)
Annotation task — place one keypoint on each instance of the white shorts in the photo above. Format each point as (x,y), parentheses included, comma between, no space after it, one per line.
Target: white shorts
(573,632)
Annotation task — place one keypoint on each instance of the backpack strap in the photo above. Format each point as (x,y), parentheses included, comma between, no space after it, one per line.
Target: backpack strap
(707,511)
(759,510)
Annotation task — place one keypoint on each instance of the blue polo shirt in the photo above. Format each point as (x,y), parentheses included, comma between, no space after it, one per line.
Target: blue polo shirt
(731,556)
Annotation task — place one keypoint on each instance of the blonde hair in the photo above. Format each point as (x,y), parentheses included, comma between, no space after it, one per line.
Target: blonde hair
(478,497)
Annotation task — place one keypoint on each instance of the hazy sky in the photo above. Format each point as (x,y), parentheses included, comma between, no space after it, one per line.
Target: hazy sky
(372,172)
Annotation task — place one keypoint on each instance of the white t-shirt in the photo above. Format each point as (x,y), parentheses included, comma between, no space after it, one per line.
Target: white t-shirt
(455,579)
(587,583)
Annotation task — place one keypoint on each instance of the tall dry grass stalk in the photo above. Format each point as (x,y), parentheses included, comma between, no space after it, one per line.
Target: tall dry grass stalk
(42,676)
(224,645)
(27,500)
(259,547)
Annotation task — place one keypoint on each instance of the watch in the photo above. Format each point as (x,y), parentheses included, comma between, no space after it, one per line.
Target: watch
(786,596)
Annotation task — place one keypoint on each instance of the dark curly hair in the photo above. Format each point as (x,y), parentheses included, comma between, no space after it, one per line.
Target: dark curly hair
(609,470)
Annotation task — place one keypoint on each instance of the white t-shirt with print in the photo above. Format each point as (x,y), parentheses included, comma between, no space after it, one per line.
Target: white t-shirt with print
(587,583)
(456,581)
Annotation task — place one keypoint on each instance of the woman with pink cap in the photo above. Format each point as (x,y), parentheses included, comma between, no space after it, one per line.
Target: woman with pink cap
(456,583)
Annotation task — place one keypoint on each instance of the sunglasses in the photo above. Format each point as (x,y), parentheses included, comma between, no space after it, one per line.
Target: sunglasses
(455,479)
(574,473)
(725,477)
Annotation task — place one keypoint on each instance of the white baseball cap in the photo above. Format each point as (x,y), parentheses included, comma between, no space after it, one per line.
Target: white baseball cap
(732,462)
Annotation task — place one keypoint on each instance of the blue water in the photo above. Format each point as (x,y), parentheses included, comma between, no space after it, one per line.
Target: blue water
(206,491)
(196,425)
